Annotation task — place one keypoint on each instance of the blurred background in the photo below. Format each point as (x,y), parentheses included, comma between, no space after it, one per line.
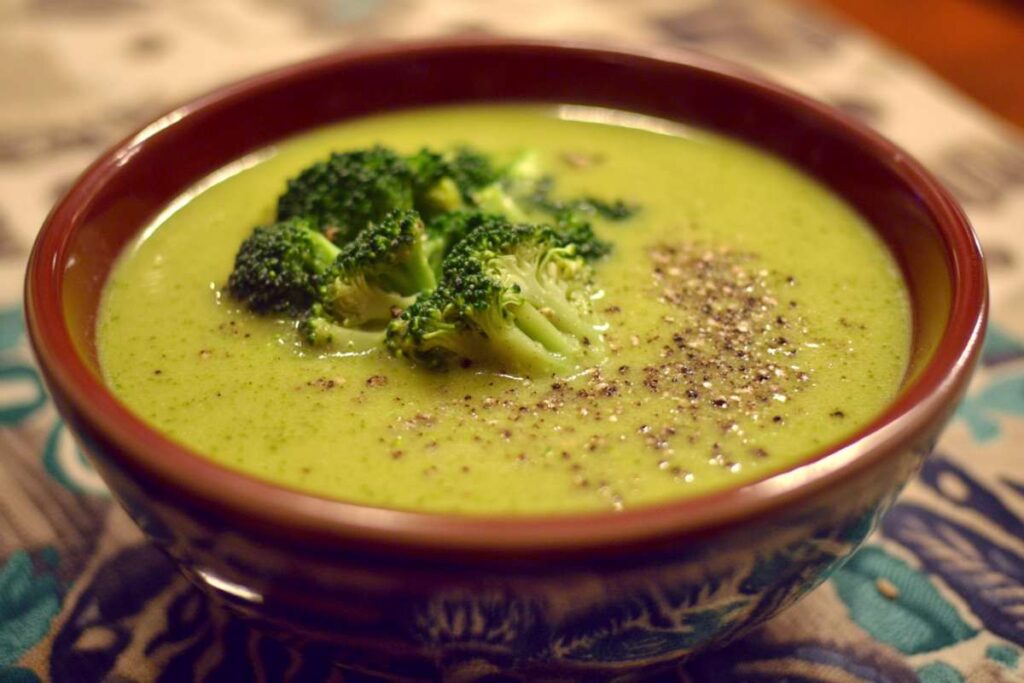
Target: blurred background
(75,75)
(977,45)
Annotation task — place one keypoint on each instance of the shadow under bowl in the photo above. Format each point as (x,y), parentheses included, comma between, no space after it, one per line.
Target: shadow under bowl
(419,596)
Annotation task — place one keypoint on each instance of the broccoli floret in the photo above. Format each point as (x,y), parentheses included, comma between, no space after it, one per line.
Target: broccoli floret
(442,328)
(353,301)
(351,255)
(343,194)
(615,210)
(495,199)
(514,191)
(427,331)
(539,198)
(472,170)
(392,253)
(510,293)
(380,271)
(434,189)
(572,229)
(446,230)
(446,181)
(321,331)
(289,268)
(509,185)
(521,189)
(281,267)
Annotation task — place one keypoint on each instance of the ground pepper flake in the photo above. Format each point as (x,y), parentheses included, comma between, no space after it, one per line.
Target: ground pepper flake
(724,358)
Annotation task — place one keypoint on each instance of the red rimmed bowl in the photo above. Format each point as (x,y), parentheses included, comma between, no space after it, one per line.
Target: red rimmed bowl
(418,596)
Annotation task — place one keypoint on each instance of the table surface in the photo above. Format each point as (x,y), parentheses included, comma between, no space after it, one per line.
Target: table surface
(83,597)
(983,56)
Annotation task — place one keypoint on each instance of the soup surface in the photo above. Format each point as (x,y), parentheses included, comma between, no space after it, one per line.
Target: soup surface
(753,318)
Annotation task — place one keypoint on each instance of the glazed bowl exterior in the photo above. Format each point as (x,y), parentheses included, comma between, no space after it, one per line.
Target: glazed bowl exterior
(420,596)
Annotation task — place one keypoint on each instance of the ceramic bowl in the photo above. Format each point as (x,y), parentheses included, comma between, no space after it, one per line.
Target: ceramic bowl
(419,596)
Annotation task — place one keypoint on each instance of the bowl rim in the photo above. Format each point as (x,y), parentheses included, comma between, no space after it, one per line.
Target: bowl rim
(293,514)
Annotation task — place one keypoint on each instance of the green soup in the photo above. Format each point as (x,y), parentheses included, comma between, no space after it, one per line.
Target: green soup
(753,318)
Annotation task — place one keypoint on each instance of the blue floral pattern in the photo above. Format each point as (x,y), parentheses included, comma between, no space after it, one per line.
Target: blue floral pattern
(897,604)
(29,600)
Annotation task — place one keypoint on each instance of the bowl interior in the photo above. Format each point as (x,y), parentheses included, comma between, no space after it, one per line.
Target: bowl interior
(123,191)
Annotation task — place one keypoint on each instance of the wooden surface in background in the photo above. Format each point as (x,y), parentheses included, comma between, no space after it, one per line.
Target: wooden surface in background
(977,45)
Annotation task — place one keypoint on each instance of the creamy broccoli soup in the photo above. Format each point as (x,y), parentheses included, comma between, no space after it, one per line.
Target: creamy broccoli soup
(746,318)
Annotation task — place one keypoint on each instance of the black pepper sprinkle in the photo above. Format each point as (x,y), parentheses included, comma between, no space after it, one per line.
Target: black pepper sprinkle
(723,349)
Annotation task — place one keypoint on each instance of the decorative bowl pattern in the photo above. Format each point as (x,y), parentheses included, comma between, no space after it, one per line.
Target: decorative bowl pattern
(416,596)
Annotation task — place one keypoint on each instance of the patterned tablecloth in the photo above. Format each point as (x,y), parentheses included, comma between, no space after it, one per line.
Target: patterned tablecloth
(936,595)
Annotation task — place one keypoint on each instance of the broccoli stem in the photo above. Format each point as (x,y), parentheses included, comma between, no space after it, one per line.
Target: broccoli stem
(562,315)
(537,326)
(549,297)
(326,250)
(357,303)
(321,333)
(416,276)
(521,351)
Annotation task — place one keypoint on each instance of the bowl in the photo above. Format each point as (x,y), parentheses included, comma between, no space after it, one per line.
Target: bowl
(589,596)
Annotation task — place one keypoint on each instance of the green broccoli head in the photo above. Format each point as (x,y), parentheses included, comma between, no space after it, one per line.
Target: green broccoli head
(281,267)
(448,229)
(343,194)
(572,229)
(392,254)
(380,271)
(508,187)
(509,293)
(428,331)
(521,188)
(475,282)
(471,169)
(446,181)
